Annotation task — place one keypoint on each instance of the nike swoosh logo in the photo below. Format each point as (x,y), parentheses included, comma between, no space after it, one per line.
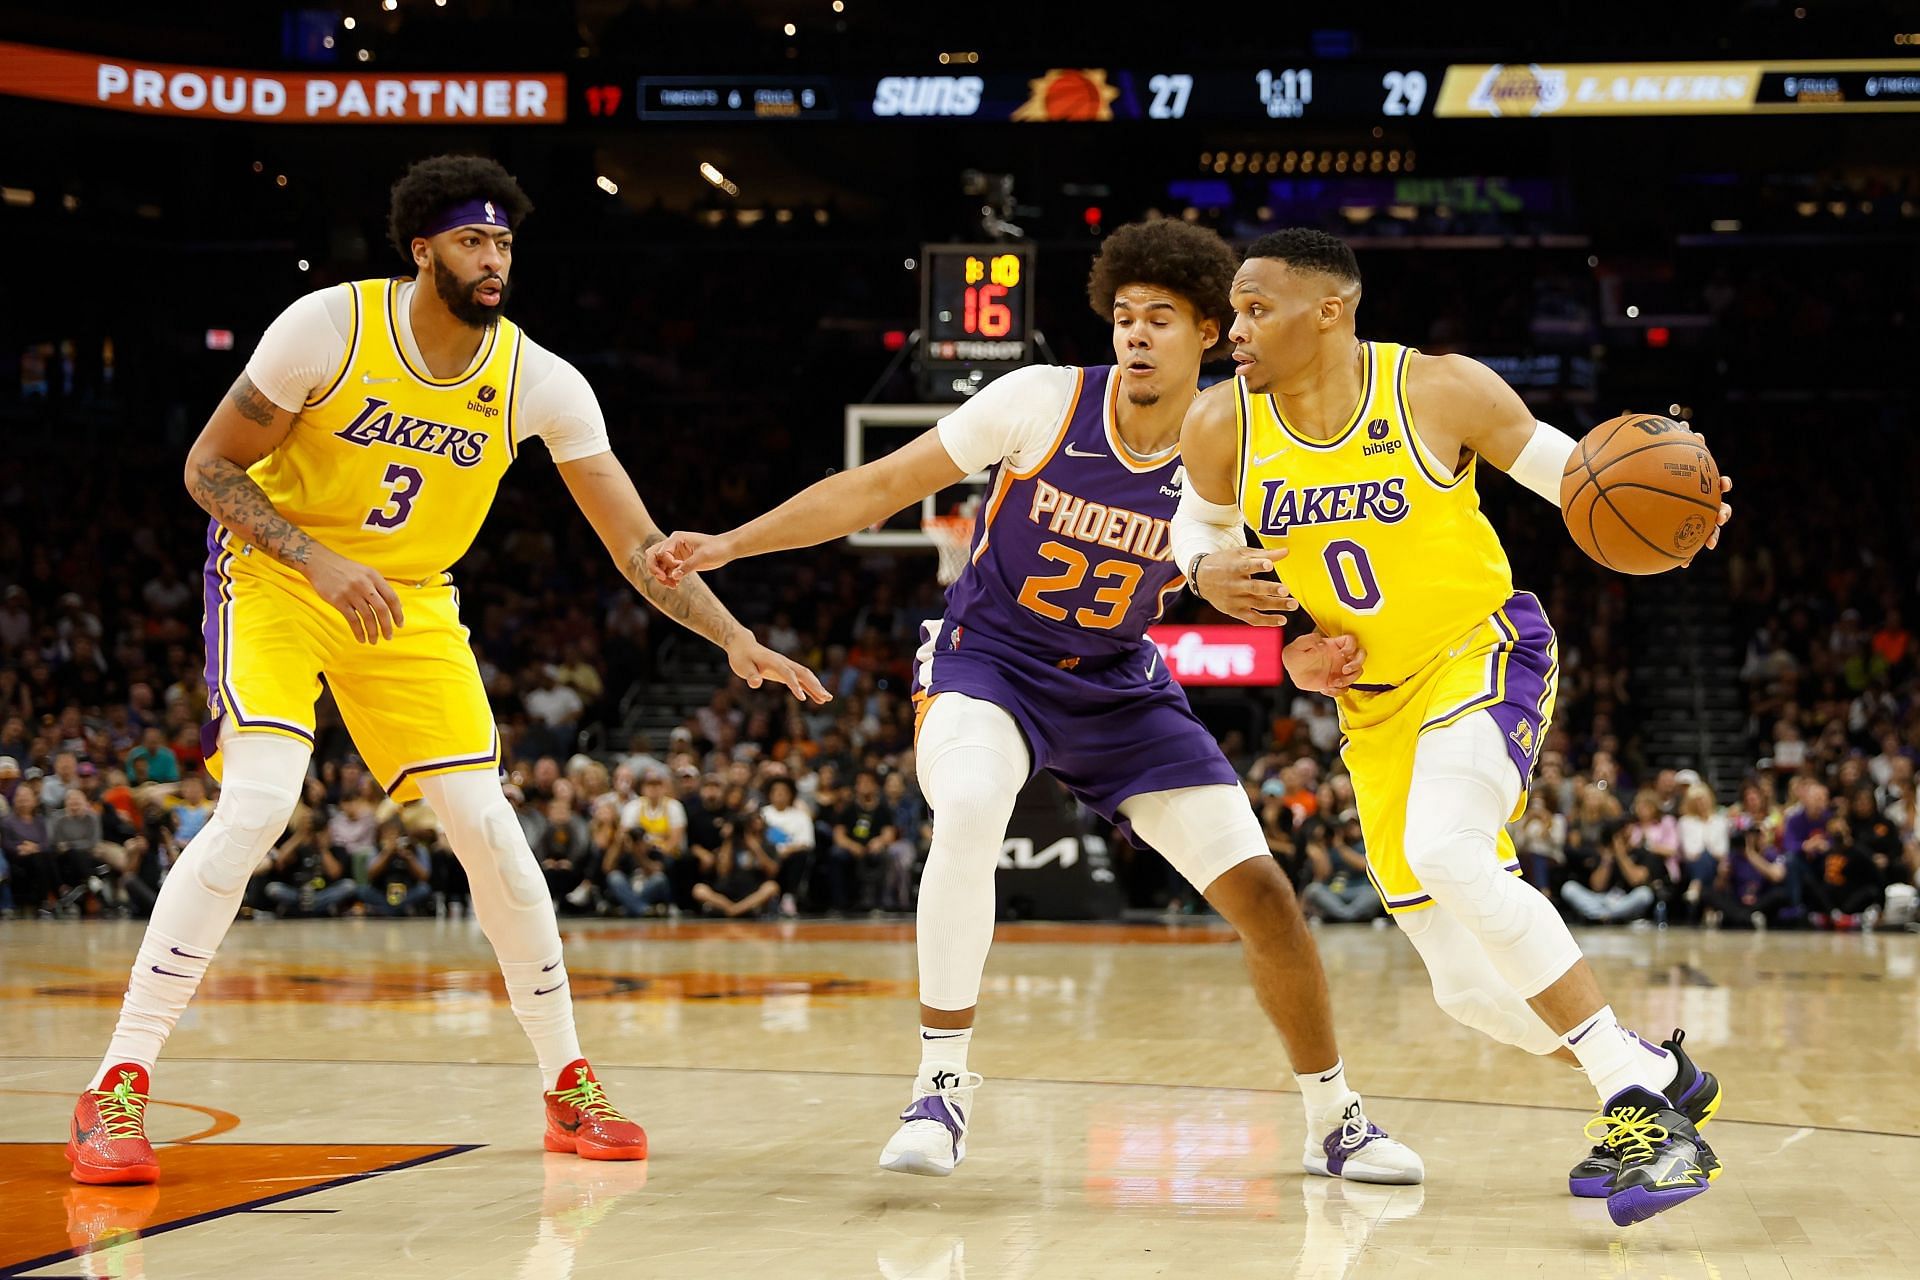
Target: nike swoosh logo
(187,955)
(549,968)
(1582,1036)
(955,1036)
(1076,453)
(570,1126)
(170,973)
(1330,1075)
(369,379)
(1262,459)
(547,991)
(80,1135)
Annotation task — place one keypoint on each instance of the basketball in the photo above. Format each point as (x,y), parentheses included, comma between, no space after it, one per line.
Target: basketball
(1641,493)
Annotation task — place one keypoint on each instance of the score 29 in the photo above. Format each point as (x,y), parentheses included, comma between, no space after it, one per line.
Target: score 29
(988,281)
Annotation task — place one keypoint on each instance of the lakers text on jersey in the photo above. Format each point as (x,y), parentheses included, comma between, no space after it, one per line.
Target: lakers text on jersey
(1386,545)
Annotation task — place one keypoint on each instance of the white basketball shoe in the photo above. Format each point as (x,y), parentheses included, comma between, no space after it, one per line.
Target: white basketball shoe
(932,1137)
(1356,1149)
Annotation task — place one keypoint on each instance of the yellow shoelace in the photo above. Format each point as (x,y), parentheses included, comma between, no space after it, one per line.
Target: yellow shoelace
(1630,1132)
(121,1109)
(589,1097)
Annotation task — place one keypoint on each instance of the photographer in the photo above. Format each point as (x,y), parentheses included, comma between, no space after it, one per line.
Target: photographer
(1340,889)
(1838,877)
(1751,885)
(306,877)
(743,878)
(399,878)
(1614,880)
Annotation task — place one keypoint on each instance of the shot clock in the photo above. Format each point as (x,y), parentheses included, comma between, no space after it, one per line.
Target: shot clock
(976,304)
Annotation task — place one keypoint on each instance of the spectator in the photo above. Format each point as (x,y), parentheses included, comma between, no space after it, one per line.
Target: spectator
(353,833)
(306,877)
(790,838)
(1613,882)
(1838,878)
(633,878)
(162,766)
(565,855)
(29,852)
(660,819)
(743,877)
(1340,888)
(151,854)
(1704,841)
(863,833)
(65,776)
(75,836)
(191,808)
(399,882)
(555,708)
(912,831)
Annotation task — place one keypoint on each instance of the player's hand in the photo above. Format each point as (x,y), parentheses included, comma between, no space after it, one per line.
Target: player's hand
(1229,581)
(755,663)
(1726,514)
(1324,664)
(362,596)
(672,558)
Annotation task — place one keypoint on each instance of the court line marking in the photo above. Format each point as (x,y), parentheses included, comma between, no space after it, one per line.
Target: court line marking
(1723,1121)
(67,1255)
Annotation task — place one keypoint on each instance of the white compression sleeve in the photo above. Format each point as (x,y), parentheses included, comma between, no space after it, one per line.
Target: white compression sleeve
(972,763)
(1544,460)
(1200,526)
(260,784)
(511,902)
(1204,832)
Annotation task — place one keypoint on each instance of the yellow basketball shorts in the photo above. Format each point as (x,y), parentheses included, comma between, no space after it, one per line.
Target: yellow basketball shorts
(1508,667)
(415,704)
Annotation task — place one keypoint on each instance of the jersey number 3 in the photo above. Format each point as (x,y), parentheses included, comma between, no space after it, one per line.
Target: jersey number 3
(1117,598)
(403,486)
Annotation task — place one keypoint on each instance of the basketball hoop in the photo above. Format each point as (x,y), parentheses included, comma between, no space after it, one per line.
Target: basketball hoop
(952,536)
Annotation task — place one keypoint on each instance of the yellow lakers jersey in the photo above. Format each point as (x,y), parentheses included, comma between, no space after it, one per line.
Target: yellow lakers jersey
(387,464)
(1382,543)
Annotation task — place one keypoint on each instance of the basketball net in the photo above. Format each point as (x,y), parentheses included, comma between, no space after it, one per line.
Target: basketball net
(952,536)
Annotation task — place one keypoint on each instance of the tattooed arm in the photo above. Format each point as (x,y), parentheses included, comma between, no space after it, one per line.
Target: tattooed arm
(606,496)
(244,429)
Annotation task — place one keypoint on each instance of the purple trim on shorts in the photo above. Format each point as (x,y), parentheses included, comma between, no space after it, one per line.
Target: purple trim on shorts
(1532,674)
(217,596)
(438,766)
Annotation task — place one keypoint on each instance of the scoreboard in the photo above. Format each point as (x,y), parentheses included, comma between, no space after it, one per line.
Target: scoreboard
(1283,91)
(976,304)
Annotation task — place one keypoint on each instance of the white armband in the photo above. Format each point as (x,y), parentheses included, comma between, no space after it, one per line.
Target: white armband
(1200,526)
(1544,460)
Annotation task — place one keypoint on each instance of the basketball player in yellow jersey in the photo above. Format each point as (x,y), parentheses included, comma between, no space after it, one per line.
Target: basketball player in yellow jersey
(351,465)
(1354,465)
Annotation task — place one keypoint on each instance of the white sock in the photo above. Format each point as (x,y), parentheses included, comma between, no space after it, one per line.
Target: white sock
(165,975)
(201,895)
(944,1045)
(1324,1092)
(1614,1058)
(544,1005)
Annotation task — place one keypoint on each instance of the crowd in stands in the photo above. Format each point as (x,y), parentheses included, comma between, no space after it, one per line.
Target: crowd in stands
(760,805)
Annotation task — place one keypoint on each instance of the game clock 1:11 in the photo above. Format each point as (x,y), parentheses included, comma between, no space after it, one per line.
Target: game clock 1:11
(976,302)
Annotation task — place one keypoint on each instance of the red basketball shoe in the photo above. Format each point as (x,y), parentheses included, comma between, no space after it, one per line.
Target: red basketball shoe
(581,1120)
(108,1144)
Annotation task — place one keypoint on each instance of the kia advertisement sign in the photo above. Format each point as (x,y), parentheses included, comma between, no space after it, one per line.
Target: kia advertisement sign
(1220,655)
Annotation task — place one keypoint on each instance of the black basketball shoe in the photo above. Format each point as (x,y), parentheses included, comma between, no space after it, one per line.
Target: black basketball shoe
(1694,1093)
(1661,1155)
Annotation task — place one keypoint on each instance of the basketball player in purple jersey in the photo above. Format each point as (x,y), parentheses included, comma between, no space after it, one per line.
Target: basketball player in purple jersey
(1042,662)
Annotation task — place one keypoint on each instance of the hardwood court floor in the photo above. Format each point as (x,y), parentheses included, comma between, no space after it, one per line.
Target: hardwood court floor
(354,1099)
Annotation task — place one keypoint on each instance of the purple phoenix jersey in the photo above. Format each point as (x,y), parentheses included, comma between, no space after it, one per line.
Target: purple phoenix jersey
(1072,561)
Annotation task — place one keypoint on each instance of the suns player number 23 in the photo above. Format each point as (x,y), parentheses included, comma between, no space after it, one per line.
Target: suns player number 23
(1116,598)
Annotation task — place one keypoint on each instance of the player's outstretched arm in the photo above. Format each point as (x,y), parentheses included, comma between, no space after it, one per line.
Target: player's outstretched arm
(244,429)
(1208,539)
(1464,405)
(606,496)
(843,503)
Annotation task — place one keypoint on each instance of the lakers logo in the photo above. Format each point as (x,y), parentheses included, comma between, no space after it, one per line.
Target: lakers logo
(1528,90)
(1523,737)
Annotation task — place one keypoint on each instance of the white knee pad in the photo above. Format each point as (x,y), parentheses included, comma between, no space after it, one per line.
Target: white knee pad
(257,797)
(972,762)
(485,834)
(1468,988)
(1464,788)
(1204,832)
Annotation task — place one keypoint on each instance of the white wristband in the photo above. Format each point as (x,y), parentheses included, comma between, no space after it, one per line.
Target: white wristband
(1544,460)
(1200,526)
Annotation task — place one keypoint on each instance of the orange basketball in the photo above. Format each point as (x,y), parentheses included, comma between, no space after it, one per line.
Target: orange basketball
(1641,493)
